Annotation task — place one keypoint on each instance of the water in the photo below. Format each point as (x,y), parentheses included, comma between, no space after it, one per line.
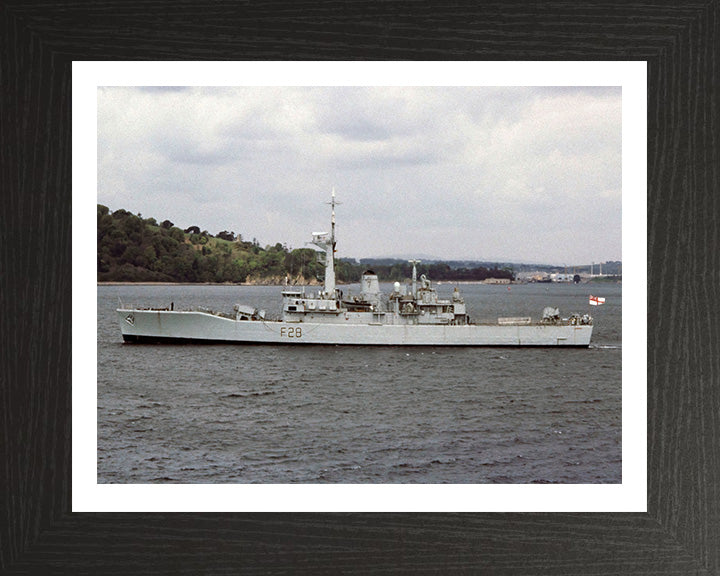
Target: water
(346,414)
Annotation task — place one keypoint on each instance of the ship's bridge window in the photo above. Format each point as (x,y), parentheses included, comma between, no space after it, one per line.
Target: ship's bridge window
(292,308)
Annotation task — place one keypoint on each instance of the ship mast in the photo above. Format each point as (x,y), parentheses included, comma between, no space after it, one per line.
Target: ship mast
(326,242)
(330,254)
(414,277)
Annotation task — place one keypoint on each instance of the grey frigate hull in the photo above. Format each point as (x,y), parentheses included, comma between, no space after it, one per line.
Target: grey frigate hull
(203,327)
(411,316)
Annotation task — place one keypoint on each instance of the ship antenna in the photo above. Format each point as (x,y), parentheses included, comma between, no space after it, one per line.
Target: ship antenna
(333,203)
(414,277)
(329,248)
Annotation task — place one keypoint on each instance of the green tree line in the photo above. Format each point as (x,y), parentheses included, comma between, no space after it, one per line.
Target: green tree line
(401,270)
(131,248)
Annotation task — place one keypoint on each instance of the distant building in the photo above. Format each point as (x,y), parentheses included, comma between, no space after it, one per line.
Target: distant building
(532,276)
(496,281)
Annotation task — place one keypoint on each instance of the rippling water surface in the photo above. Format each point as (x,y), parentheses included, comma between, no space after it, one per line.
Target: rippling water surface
(348,414)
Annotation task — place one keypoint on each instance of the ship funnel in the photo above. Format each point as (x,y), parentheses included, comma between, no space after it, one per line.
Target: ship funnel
(370,287)
(370,284)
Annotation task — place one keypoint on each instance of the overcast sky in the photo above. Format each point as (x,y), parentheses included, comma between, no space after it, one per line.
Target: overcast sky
(508,174)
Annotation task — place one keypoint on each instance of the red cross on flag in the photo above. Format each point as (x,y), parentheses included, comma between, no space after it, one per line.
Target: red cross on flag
(596,300)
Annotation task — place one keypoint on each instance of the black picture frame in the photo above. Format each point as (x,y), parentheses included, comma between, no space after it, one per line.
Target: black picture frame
(680,533)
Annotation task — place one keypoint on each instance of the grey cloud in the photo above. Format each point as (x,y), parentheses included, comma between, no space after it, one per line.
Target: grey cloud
(161,89)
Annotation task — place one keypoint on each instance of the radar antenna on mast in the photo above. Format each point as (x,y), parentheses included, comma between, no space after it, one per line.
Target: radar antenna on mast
(333,203)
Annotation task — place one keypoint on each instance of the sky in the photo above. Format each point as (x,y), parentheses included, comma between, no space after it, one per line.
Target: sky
(510,174)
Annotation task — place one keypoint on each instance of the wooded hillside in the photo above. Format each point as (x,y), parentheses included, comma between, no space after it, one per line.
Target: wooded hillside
(131,248)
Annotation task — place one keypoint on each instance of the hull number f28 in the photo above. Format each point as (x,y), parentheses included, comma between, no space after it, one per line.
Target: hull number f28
(291,331)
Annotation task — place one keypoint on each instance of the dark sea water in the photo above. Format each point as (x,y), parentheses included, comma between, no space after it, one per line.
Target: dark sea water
(347,414)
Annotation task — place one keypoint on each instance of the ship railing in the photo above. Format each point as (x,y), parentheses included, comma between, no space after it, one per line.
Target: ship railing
(515,321)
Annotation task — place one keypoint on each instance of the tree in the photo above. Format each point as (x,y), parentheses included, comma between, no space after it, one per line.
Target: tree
(104,222)
(167,224)
(177,234)
(133,224)
(121,214)
(225,235)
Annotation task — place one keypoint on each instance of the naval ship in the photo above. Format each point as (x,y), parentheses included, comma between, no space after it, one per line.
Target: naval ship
(411,315)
